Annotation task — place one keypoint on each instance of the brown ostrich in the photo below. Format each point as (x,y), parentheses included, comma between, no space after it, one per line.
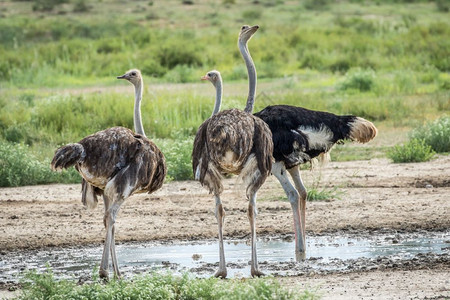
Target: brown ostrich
(115,163)
(234,142)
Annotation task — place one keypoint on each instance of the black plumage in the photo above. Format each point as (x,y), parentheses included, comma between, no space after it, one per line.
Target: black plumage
(292,127)
(300,135)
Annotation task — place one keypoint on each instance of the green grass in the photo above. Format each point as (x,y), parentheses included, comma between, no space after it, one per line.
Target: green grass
(157,286)
(66,48)
(385,61)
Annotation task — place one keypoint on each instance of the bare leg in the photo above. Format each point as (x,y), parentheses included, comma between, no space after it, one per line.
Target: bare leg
(252,218)
(279,170)
(220,216)
(295,173)
(109,219)
(113,254)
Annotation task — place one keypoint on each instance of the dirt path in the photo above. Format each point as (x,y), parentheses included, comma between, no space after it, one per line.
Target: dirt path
(374,195)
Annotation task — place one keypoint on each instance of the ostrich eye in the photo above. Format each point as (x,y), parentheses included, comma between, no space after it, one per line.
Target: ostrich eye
(244,27)
(210,74)
(133,73)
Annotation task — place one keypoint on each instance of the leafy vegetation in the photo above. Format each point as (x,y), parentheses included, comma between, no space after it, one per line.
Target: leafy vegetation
(386,61)
(435,134)
(414,150)
(18,167)
(157,286)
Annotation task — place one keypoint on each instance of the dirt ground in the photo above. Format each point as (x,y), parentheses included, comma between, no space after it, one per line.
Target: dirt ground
(374,195)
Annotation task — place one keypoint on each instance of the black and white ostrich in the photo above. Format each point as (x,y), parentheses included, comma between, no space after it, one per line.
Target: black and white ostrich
(234,142)
(115,163)
(299,135)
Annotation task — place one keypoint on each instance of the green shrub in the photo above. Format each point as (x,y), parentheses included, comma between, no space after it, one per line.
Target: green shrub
(358,79)
(414,150)
(317,4)
(46,5)
(178,153)
(435,134)
(81,6)
(251,15)
(442,5)
(19,167)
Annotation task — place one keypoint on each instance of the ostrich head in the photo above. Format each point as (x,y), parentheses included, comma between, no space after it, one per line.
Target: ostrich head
(213,76)
(247,32)
(133,76)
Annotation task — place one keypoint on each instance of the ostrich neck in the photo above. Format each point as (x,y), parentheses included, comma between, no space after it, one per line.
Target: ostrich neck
(138,128)
(251,77)
(218,86)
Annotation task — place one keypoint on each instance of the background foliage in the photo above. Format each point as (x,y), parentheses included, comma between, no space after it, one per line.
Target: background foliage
(386,61)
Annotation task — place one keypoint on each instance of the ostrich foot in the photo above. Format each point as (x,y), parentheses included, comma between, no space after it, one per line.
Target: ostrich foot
(103,275)
(300,256)
(221,273)
(257,273)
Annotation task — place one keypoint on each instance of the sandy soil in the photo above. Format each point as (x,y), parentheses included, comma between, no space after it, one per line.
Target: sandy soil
(375,195)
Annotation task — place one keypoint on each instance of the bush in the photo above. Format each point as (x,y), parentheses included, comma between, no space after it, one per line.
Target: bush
(81,6)
(442,5)
(46,5)
(358,79)
(251,15)
(317,4)
(178,153)
(413,151)
(19,167)
(435,134)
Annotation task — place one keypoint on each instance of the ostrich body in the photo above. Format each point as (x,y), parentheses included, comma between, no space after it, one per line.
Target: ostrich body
(115,163)
(234,142)
(300,135)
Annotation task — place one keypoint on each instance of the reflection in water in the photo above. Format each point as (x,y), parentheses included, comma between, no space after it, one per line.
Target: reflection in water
(202,257)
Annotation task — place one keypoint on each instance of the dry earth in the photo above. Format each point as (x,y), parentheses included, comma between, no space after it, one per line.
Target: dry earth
(377,195)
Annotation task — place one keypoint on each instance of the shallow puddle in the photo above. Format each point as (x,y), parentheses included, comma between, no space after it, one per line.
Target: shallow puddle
(324,254)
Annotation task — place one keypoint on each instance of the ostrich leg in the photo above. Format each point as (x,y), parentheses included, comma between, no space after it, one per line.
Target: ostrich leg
(220,216)
(295,173)
(115,265)
(108,222)
(112,243)
(252,218)
(279,170)
(109,219)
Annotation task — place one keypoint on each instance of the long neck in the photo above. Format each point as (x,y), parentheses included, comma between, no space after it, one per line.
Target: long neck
(138,128)
(218,86)
(251,76)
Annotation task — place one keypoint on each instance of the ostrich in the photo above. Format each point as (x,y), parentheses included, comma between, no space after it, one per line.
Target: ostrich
(115,163)
(234,142)
(300,135)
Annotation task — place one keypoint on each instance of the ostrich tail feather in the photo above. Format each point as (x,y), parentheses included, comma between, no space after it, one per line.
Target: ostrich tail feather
(67,156)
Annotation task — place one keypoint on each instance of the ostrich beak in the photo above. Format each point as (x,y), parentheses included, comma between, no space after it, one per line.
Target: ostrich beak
(122,77)
(206,77)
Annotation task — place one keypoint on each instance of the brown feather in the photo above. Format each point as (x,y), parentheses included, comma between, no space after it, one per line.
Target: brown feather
(225,143)
(133,161)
